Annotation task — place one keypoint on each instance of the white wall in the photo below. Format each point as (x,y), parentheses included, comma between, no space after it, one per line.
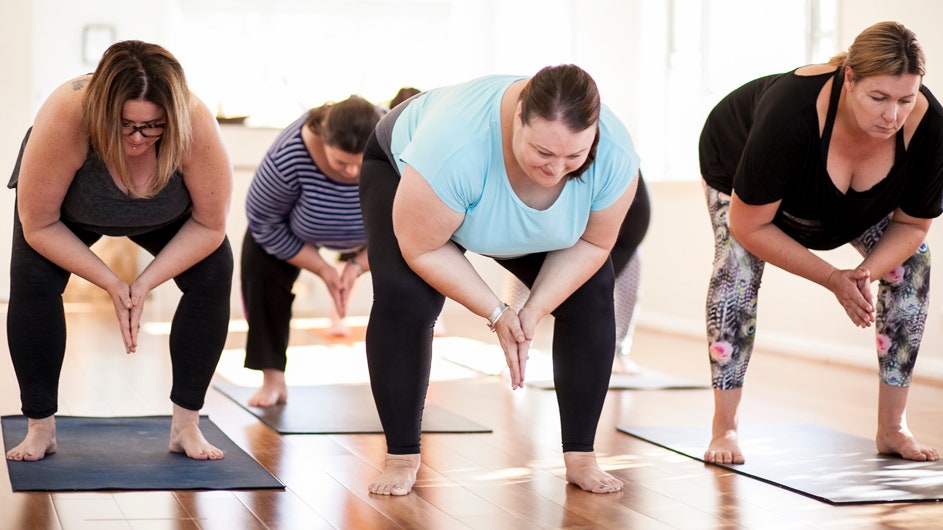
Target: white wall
(16,67)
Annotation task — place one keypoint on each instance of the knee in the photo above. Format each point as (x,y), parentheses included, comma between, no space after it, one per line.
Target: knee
(406,303)
(212,275)
(919,262)
(592,300)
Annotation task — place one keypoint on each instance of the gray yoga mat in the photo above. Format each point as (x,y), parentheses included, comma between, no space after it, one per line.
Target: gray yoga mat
(129,453)
(338,409)
(827,465)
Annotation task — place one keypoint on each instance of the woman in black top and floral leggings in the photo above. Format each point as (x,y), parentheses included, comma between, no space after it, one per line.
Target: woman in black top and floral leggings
(845,152)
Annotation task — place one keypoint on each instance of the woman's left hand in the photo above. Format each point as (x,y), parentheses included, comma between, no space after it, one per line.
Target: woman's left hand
(852,289)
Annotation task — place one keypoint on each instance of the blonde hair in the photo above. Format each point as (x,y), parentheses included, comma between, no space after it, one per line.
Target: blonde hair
(135,70)
(885,48)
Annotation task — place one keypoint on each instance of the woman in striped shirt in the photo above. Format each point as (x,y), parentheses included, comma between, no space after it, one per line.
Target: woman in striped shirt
(304,196)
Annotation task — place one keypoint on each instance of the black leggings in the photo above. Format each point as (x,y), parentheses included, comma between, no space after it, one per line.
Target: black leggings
(36,326)
(634,227)
(267,298)
(405,307)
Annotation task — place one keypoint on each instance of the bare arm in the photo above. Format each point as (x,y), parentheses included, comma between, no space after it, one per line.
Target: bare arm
(902,237)
(55,151)
(753,227)
(424,225)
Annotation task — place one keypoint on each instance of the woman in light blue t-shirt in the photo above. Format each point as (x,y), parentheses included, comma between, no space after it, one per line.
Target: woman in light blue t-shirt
(533,172)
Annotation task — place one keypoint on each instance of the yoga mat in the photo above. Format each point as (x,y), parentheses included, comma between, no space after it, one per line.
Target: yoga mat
(831,466)
(644,380)
(338,409)
(129,453)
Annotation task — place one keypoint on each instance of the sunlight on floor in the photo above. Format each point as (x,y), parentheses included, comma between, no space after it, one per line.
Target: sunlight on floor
(346,363)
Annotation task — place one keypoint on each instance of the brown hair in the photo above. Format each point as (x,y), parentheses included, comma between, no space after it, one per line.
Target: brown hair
(403,94)
(346,125)
(131,70)
(885,48)
(568,94)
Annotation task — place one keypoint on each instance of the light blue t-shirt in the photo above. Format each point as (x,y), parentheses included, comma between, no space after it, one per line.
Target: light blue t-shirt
(452,137)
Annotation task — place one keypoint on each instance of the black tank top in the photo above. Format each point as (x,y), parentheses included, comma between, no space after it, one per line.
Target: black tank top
(95,203)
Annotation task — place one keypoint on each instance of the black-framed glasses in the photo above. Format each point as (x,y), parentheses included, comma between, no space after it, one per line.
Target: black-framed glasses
(146,130)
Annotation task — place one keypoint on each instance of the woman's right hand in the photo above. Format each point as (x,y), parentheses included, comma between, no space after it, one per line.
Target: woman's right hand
(852,288)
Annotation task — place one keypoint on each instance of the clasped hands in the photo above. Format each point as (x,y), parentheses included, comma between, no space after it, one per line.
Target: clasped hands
(852,288)
(129,303)
(339,284)
(515,331)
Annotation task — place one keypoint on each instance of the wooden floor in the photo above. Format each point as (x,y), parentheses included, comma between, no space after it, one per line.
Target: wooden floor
(509,479)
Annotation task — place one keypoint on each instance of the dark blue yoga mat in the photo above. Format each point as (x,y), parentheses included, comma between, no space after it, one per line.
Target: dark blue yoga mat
(828,465)
(129,453)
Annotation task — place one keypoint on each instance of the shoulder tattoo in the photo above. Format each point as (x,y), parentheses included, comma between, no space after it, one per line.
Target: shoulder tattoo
(79,83)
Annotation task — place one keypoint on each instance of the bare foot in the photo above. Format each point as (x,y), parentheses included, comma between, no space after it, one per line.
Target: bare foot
(902,442)
(186,437)
(399,476)
(582,470)
(274,391)
(724,448)
(40,441)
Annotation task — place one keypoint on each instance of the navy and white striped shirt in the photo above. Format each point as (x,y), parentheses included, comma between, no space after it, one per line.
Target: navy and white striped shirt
(292,202)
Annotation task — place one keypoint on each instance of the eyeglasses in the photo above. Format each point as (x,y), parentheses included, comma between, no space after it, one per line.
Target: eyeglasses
(147,130)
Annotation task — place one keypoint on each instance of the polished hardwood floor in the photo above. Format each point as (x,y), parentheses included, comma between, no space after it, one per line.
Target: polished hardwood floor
(509,479)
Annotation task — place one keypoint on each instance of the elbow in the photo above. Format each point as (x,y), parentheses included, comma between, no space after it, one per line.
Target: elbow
(32,231)
(736,232)
(739,230)
(410,256)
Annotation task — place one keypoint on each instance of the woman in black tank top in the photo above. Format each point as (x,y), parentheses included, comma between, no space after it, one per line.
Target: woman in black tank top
(127,151)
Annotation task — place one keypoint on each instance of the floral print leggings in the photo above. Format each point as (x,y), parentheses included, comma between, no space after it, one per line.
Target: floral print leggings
(902,301)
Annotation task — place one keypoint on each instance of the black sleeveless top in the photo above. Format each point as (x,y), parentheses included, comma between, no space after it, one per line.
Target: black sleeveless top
(763,141)
(95,203)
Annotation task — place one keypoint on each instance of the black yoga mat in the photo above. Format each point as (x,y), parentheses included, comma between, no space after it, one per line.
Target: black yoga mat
(827,465)
(338,409)
(129,453)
